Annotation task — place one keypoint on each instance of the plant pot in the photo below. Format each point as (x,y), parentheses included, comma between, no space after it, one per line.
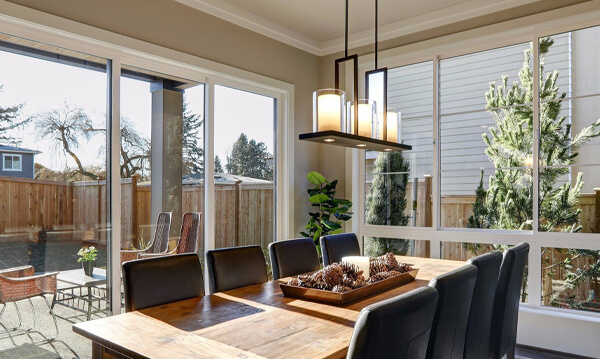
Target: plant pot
(88,268)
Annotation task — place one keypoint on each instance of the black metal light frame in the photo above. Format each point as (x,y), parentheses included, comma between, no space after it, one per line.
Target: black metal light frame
(353,140)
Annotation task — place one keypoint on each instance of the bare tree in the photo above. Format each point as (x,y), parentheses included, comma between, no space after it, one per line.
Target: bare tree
(66,126)
(135,151)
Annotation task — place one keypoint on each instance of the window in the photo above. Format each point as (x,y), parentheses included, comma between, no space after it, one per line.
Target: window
(492,177)
(11,162)
(398,184)
(54,105)
(569,167)
(64,203)
(162,154)
(473,160)
(244,168)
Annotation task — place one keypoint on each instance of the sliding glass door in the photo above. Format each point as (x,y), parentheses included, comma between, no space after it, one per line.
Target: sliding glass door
(244,147)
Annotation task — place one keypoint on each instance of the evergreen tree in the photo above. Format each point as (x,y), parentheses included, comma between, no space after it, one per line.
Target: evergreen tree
(508,202)
(9,120)
(193,153)
(218,166)
(249,159)
(386,202)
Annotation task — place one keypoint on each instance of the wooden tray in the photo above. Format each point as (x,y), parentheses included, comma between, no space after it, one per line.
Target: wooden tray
(326,296)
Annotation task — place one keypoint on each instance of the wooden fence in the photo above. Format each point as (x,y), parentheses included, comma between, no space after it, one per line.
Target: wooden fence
(243,215)
(77,210)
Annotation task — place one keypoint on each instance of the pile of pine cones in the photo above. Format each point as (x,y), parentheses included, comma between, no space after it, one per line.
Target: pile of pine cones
(343,277)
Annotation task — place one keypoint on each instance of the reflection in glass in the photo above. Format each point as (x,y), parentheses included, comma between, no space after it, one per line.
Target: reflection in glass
(570,278)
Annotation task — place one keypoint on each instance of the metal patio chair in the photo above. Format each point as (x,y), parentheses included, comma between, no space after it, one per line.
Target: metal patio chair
(20,283)
(188,239)
(160,242)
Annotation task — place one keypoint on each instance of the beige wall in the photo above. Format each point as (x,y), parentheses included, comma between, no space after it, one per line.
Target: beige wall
(170,24)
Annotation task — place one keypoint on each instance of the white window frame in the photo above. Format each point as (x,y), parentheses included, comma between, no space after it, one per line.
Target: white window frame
(511,35)
(24,22)
(13,155)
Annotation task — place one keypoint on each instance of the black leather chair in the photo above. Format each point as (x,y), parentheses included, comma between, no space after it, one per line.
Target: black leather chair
(336,246)
(482,305)
(293,257)
(235,267)
(157,281)
(395,328)
(455,288)
(506,304)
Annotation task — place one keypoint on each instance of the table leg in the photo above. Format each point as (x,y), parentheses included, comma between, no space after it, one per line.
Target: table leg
(89,311)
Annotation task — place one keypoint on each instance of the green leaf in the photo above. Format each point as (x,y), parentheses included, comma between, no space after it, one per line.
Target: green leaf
(316,178)
(304,234)
(319,198)
(331,225)
(337,231)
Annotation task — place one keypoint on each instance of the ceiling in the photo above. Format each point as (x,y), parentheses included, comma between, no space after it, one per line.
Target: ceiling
(317,26)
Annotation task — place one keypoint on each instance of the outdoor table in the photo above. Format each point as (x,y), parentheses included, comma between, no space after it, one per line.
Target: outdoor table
(77,280)
(250,322)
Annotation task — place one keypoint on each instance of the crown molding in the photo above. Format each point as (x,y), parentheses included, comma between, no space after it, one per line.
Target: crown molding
(441,17)
(251,21)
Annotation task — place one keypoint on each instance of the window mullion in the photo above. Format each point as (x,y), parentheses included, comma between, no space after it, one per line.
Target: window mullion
(534,277)
(434,245)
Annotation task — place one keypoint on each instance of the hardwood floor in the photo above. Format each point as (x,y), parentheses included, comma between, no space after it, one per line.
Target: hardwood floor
(532,353)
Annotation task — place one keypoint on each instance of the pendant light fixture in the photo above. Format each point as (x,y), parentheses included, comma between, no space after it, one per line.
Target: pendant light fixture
(356,123)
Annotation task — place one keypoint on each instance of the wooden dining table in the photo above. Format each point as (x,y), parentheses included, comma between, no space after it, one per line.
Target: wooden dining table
(250,322)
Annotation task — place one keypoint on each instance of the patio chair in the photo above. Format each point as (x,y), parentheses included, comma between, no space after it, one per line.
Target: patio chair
(160,242)
(188,239)
(21,283)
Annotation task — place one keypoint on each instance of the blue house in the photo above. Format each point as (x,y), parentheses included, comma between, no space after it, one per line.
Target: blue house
(17,161)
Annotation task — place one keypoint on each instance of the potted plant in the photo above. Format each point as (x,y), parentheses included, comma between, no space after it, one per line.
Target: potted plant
(329,212)
(87,257)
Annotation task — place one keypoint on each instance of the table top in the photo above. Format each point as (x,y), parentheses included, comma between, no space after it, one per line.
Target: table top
(78,277)
(250,322)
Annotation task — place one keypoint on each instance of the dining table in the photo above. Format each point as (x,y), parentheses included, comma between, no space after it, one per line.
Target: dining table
(256,321)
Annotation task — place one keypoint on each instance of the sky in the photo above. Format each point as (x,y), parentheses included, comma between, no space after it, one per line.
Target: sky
(42,86)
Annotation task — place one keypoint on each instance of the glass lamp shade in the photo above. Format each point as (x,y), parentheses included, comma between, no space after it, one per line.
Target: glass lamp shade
(393,125)
(328,110)
(367,118)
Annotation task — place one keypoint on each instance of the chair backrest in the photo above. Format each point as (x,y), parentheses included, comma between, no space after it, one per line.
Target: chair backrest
(160,244)
(156,281)
(395,328)
(235,267)
(293,257)
(336,246)
(506,303)
(449,328)
(188,240)
(477,343)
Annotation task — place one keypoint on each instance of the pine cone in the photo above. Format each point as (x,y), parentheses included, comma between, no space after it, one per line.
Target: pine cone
(377,265)
(359,282)
(379,277)
(405,268)
(318,280)
(333,275)
(294,281)
(391,262)
(341,289)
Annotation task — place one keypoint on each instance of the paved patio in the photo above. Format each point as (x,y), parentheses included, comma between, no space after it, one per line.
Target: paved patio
(45,257)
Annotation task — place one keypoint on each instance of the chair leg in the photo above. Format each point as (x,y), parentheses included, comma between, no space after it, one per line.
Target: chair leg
(52,313)
(19,315)
(511,353)
(32,311)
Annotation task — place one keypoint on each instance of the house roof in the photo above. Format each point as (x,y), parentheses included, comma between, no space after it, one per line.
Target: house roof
(6,148)
(220,178)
